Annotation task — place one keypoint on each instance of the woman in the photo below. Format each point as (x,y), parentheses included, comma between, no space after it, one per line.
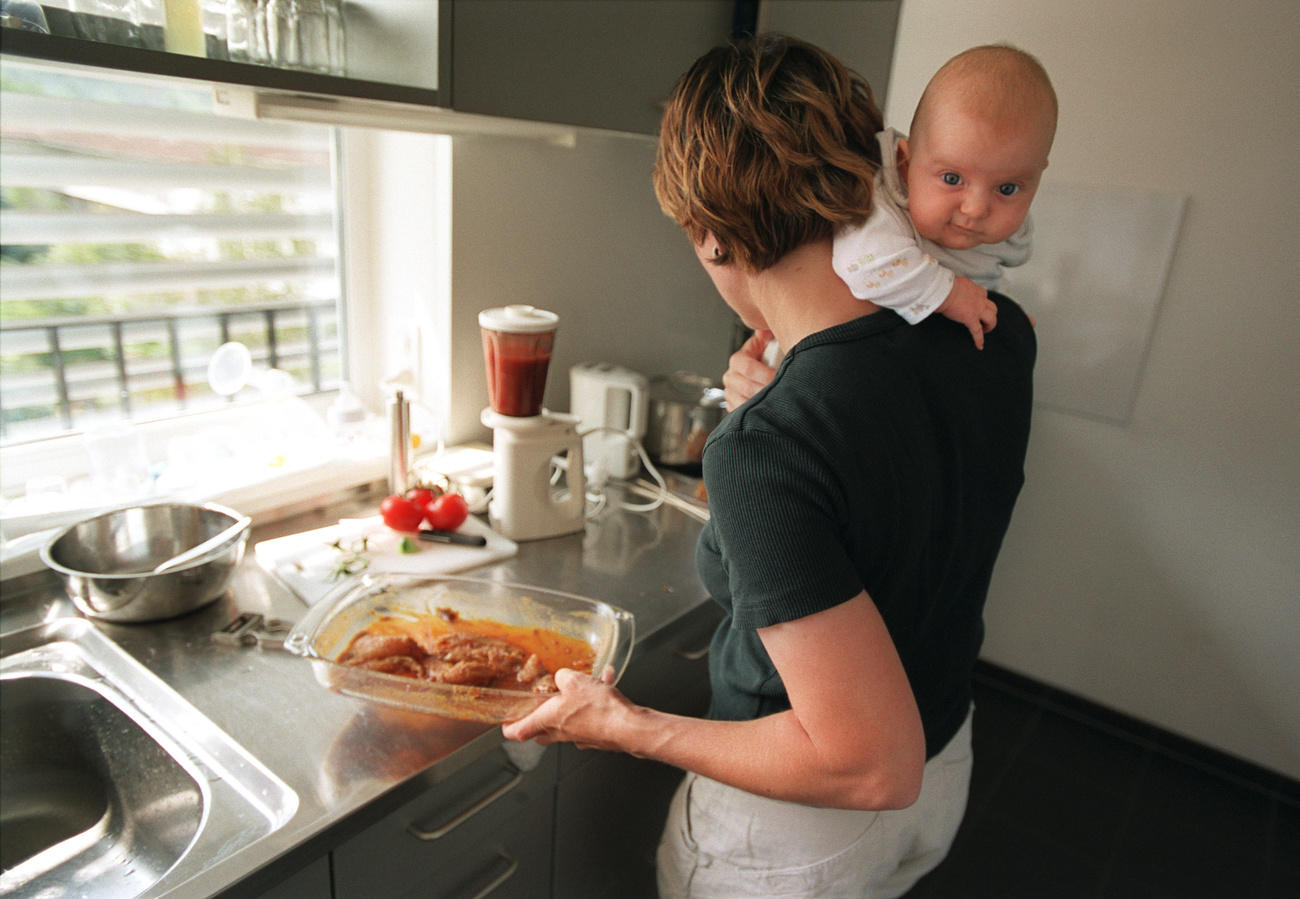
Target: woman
(857,504)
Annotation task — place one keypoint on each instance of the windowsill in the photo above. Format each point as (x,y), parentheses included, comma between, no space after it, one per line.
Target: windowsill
(264,486)
(265,501)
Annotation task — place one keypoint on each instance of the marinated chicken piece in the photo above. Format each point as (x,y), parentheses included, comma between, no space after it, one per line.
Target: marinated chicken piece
(369,647)
(469,672)
(490,650)
(403,665)
(456,658)
(531,671)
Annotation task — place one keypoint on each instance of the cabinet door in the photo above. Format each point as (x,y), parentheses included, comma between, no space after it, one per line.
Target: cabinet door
(609,807)
(484,831)
(580,62)
(311,882)
(608,819)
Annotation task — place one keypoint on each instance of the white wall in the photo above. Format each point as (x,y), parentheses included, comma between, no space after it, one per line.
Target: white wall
(398,260)
(1154,566)
(575,230)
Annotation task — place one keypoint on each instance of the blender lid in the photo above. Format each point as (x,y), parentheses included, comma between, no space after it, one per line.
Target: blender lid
(518,319)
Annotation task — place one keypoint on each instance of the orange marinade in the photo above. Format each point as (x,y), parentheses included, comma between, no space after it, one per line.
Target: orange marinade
(555,651)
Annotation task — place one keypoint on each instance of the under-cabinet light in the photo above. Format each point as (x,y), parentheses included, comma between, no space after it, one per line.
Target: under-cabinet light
(254,103)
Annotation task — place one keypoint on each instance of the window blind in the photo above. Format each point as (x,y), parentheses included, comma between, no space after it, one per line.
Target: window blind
(139,232)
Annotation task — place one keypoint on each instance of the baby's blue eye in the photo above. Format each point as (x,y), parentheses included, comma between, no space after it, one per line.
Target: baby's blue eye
(1008,190)
(952,179)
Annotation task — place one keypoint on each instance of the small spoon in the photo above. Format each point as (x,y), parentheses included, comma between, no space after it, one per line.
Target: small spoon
(205,547)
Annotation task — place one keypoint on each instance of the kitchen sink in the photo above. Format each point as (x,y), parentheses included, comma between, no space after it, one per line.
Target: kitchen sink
(111,784)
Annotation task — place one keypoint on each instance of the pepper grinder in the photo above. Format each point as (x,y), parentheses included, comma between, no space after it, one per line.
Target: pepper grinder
(399,421)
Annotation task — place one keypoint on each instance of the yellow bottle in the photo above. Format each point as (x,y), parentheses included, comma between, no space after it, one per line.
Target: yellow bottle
(183,31)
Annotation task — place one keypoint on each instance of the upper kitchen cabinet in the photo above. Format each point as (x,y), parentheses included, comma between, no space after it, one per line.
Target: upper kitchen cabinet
(368,49)
(859,32)
(595,63)
(592,63)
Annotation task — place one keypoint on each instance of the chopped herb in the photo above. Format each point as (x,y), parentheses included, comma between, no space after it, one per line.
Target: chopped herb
(352,558)
(407,546)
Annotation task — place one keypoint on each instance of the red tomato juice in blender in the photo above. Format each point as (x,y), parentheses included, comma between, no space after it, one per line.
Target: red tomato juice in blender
(516,383)
(517,344)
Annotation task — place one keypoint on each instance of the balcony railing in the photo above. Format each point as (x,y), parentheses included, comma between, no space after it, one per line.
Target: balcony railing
(138,233)
(66,373)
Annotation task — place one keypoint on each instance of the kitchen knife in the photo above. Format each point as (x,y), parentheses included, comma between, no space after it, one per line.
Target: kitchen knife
(435,536)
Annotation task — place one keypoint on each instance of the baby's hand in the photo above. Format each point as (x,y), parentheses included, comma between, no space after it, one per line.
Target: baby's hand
(747,373)
(969,304)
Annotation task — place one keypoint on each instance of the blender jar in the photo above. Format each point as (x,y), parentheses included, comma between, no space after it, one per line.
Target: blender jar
(517,344)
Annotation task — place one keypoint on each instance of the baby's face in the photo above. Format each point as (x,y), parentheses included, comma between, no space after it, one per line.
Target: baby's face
(970,182)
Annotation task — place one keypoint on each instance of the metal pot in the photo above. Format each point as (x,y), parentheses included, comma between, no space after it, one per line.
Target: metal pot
(110,564)
(684,410)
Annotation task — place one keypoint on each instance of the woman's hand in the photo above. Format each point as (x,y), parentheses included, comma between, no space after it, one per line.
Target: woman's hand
(584,712)
(747,373)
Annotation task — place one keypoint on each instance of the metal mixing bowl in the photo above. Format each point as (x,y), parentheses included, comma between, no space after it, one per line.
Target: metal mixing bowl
(107,562)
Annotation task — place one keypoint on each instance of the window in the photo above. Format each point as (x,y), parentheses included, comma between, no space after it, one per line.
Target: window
(139,232)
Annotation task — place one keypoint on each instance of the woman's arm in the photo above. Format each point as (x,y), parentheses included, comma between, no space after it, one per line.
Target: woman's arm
(852,738)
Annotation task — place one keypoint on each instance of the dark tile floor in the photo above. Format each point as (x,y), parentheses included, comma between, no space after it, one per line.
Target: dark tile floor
(1071,800)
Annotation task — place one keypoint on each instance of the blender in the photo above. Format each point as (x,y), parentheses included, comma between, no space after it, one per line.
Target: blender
(528,502)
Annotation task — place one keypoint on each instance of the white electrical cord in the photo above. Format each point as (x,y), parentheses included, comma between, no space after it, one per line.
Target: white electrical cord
(599,477)
(596,498)
(596,483)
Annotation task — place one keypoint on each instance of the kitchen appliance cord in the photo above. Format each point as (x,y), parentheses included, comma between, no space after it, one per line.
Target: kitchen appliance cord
(596,496)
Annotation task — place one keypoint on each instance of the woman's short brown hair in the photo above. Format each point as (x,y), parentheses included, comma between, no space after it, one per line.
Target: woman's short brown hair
(767,143)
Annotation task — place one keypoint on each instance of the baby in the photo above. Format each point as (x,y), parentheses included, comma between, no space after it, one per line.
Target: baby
(951,201)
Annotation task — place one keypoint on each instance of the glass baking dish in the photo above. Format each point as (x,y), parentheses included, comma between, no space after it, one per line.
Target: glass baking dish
(329,626)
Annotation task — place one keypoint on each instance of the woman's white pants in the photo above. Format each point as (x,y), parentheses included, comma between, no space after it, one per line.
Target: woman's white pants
(723,843)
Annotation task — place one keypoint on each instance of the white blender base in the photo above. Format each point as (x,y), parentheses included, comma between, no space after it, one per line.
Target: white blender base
(524,504)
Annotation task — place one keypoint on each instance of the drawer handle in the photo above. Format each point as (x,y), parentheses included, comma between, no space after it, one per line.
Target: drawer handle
(692,655)
(512,865)
(439,832)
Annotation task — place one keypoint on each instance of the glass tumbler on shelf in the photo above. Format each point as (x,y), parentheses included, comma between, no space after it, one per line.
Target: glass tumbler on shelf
(336,38)
(25,15)
(152,16)
(215,43)
(305,34)
(241,30)
(107,21)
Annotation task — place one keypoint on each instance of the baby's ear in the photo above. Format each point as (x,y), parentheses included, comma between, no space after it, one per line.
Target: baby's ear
(902,157)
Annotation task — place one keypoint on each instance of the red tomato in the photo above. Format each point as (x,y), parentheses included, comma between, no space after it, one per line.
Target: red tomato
(447,512)
(420,496)
(400,514)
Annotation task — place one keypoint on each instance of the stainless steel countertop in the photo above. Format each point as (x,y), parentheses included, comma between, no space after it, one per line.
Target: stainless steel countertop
(351,762)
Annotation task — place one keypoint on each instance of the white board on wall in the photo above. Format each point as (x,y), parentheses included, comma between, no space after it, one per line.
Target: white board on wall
(1101,257)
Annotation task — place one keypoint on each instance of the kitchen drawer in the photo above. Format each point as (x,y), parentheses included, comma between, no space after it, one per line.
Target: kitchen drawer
(487,829)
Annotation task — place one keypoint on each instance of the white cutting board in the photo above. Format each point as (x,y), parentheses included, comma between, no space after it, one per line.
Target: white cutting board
(305,563)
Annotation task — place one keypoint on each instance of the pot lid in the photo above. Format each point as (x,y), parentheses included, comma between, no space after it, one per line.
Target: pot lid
(518,319)
(688,388)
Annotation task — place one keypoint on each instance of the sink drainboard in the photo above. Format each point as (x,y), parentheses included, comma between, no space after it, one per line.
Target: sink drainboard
(113,784)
